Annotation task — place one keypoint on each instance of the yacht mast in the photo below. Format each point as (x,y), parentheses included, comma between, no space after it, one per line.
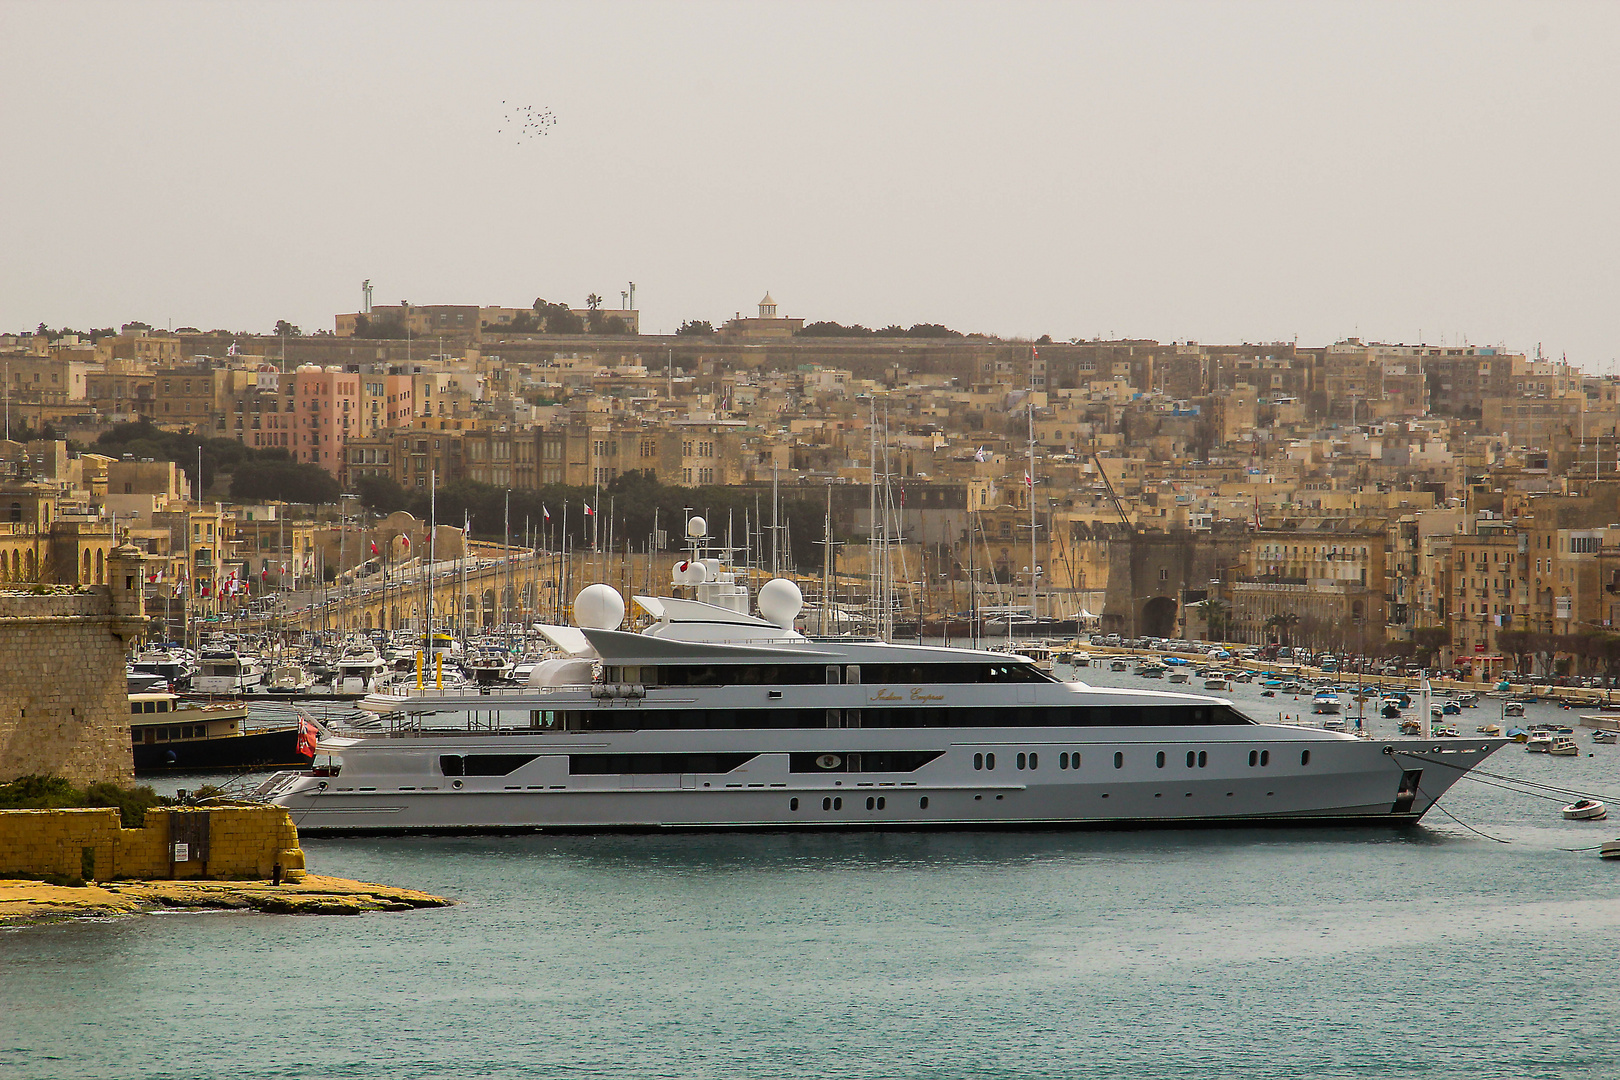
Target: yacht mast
(1034,571)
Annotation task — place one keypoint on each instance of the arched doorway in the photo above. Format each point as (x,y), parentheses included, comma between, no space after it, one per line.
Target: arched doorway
(1159,617)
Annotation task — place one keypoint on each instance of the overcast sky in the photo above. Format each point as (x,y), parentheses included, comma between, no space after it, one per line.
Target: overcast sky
(1222,172)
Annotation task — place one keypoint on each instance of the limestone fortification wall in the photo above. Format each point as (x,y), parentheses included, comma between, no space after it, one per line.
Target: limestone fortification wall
(64,708)
(244,843)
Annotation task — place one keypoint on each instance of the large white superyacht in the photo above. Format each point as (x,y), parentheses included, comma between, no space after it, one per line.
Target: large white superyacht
(713,717)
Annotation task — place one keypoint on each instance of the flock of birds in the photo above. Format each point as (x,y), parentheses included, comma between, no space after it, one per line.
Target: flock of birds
(526,122)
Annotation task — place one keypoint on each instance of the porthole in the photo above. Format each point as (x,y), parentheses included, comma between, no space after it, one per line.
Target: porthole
(1192,759)
(871,803)
(1063,761)
(1021,759)
(456,784)
(1034,761)
(1159,759)
(1254,756)
(922,804)
(882,802)
(1304,757)
(1265,758)
(838,804)
(793,804)
(1203,758)
(978,761)
(826,804)
(989,761)
(1119,760)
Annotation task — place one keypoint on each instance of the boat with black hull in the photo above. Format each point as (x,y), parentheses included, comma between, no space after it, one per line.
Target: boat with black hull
(713,717)
(167,735)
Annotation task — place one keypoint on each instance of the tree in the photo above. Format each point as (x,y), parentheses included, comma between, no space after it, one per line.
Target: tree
(381,493)
(289,481)
(593,301)
(1216,615)
(287,329)
(1429,640)
(695,328)
(1281,626)
(390,327)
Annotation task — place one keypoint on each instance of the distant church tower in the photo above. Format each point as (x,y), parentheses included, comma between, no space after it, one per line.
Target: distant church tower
(767,307)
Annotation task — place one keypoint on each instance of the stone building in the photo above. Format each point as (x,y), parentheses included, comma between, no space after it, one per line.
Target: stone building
(64,706)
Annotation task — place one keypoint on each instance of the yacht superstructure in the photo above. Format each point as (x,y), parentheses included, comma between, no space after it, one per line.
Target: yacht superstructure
(712,717)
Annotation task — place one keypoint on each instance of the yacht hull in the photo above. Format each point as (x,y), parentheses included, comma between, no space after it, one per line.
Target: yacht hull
(1297,776)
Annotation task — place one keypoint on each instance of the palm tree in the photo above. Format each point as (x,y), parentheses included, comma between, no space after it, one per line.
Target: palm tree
(1282,625)
(593,301)
(1217,613)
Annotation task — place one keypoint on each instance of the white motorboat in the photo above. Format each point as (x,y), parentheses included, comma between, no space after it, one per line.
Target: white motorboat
(1326,701)
(1539,742)
(226,671)
(1513,709)
(358,668)
(1603,735)
(1217,681)
(1610,849)
(1564,746)
(1586,810)
(289,679)
(1118,665)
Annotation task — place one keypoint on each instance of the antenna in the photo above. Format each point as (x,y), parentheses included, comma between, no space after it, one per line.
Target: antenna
(365,296)
(632,300)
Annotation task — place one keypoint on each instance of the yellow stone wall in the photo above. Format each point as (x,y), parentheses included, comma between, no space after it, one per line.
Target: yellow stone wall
(244,843)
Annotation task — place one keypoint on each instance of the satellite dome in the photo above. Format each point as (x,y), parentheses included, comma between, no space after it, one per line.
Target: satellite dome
(780,602)
(696,527)
(599,607)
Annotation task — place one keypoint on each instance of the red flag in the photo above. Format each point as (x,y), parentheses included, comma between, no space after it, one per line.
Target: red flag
(374,547)
(588,511)
(307,738)
(405,540)
(265,573)
(546,512)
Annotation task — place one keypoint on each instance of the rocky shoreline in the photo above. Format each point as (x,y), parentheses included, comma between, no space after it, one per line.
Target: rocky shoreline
(24,902)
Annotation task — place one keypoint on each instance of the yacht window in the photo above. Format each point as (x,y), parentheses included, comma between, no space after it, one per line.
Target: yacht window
(793,804)
(989,761)
(1265,758)
(978,761)
(826,804)
(163,706)
(483,764)
(1063,761)
(923,803)
(1034,761)
(1203,758)
(606,764)
(1192,759)
(871,803)
(1254,756)
(862,761)
(1159,760)
(1119,760)
(1021,759)
(838,804)
(1304,757)
(882,802)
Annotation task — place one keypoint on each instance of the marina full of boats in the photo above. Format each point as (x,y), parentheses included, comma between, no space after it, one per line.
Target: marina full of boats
(720,713)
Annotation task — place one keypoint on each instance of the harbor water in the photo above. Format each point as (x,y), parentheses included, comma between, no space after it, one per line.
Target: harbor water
(1477,945)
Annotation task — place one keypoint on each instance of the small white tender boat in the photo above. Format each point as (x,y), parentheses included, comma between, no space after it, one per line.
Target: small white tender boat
(1539,742)
(1564,746)
(1513,708)
(1586,810)
(1610,849)
(1604,736)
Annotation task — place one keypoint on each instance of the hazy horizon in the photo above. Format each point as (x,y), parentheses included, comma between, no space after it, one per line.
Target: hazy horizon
(1215,172)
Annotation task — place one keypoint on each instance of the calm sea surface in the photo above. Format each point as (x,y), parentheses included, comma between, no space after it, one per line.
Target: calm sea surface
(1429,952)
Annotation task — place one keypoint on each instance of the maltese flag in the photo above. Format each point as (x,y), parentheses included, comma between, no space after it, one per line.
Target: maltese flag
(546,512)
(588,511)
(1029,481)
(978,455)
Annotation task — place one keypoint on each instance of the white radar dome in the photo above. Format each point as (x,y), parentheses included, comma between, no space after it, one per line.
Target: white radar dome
(599,607)
(780,602)
(696,527)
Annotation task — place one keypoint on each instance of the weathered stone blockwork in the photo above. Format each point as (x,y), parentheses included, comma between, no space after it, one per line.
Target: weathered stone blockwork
(64,708)
(245,842)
